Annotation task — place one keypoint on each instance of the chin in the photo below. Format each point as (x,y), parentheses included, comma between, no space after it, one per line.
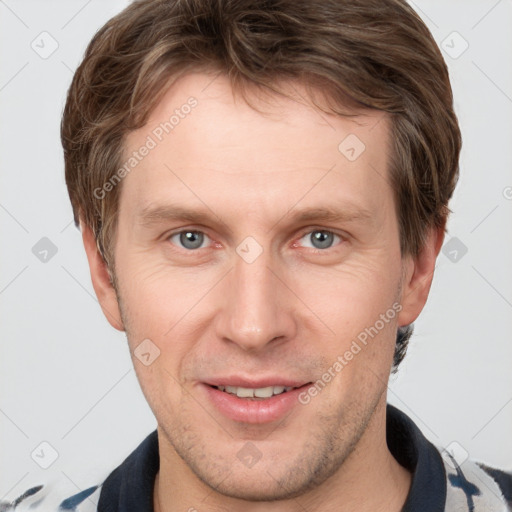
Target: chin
(261,488)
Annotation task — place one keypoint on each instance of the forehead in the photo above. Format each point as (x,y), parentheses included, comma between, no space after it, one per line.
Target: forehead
(206,144)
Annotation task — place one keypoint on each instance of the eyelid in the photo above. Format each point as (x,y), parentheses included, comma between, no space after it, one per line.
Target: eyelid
(309,229)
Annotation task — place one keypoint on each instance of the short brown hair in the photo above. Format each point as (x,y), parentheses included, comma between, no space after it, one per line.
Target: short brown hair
(372,53)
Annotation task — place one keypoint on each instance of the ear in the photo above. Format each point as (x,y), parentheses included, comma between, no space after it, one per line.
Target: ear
(418,275)
(101,279)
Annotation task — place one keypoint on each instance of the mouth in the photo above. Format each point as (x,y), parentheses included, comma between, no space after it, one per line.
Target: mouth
(255,393)
(257,404)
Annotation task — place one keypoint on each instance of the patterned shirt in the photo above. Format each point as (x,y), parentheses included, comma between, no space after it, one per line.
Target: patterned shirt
(439,482)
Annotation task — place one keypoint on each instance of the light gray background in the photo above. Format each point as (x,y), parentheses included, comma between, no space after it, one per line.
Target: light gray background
(66,376)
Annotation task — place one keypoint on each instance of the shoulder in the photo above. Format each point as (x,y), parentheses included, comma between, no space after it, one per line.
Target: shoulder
(54,497)
(472,485)
(131,481)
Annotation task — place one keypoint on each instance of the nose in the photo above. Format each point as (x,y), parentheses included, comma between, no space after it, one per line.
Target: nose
(257,307)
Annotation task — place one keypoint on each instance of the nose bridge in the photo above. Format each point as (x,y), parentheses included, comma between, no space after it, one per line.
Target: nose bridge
(254,313)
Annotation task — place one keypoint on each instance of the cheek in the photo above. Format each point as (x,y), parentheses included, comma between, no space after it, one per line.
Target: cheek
(349,297)
(156,294)
(170,307)
(354,328)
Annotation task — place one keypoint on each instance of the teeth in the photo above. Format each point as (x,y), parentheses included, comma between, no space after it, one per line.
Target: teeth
(245,393)
(254,392)
(265,392)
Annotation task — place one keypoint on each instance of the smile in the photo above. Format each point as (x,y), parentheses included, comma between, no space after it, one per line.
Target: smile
(265,392)
(263,403)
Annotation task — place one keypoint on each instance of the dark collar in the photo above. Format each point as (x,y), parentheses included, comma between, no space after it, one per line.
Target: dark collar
(129,488)
(413,451)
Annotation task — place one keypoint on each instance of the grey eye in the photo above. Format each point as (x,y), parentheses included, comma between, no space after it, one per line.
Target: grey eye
(320,239)
(189,239)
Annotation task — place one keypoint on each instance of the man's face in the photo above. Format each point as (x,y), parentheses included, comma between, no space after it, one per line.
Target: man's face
(293,255)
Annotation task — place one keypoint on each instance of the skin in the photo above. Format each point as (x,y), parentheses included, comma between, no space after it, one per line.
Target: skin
(291,312)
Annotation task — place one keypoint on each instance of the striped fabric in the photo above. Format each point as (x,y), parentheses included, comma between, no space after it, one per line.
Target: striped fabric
(51,498)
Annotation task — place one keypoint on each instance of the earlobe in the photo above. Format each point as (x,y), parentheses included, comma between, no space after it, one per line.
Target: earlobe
(418,275)
(101,279)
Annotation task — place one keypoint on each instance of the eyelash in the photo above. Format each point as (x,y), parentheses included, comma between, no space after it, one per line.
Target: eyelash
(303,233)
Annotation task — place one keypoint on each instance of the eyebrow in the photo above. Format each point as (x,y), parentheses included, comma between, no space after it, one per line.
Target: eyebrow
(347,214)
(151,215)
(156,214)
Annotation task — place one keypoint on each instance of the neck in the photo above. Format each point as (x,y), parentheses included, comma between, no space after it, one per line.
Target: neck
(370,479)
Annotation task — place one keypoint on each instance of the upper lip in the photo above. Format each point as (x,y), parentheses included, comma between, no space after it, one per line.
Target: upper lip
(262,382)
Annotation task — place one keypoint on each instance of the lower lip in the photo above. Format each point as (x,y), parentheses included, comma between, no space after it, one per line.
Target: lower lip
(254,411)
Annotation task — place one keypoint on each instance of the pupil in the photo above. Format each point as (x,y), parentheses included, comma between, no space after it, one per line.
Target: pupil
(322,239)
(191,239)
